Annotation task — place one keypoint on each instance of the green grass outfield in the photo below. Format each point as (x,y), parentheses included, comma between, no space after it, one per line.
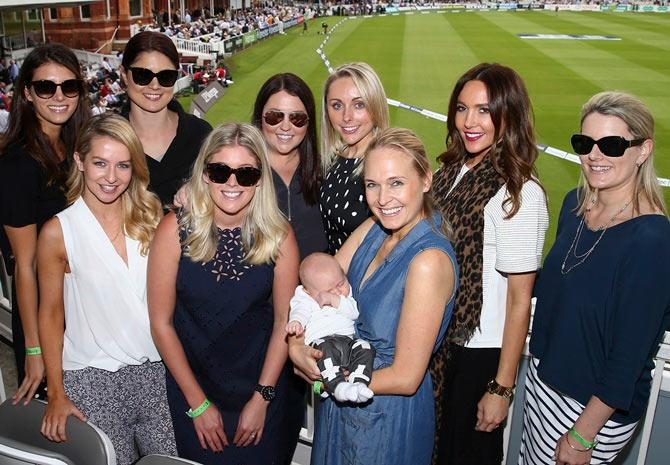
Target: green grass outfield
(420,56)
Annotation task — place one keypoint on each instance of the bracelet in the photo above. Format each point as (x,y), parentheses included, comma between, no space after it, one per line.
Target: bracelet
(578,437)
(198,411)
(567,439)
(316,387)
(34,350)
(496,389)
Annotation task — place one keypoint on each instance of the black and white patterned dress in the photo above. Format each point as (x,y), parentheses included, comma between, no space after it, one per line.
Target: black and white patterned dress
(342,202)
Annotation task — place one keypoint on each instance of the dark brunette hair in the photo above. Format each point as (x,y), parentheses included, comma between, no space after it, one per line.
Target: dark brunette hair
(149,41)
(310,162)
(24,127)
(513,152)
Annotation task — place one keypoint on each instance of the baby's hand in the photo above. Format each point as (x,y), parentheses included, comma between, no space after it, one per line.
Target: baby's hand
(294,327)
(327,298)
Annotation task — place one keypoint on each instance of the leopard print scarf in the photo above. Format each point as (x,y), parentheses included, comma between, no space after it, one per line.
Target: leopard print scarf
(463,207)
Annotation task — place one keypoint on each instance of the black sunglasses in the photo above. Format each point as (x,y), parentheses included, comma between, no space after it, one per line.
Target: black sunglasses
(297,118)
(143,76)
(246,176)
(611,146)
(46,89)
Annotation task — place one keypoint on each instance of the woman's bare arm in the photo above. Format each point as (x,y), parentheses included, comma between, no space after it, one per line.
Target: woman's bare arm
(52,262)
(162,270)
(492,408)
(23,242)
(429,286)
(252,418)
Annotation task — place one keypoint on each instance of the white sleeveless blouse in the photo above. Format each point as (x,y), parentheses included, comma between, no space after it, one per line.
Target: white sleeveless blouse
(106,314)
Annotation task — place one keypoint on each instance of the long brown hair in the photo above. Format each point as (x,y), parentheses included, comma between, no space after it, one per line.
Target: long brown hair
(24,127)
(513,152)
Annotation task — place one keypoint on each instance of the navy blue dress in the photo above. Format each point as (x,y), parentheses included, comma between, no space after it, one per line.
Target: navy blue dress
(224,317)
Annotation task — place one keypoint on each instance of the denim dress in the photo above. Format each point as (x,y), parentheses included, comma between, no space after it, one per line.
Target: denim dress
(389,430)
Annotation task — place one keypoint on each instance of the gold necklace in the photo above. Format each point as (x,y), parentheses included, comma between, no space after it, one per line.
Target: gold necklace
(116,235)
(112,239)
(573,247)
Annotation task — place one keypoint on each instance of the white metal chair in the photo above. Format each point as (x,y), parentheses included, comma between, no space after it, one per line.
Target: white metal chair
(22,443)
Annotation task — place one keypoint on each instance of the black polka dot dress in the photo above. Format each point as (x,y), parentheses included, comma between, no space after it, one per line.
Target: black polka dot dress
(342,202)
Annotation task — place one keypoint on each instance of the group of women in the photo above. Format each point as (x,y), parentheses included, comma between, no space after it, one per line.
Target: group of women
(442,264)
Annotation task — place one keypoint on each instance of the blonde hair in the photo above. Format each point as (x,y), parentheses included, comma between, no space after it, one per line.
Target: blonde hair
(407,142)
(640,124)
(264,227)
(372,93)
(142,209)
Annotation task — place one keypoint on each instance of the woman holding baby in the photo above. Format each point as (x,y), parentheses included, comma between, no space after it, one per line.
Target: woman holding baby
(403,275)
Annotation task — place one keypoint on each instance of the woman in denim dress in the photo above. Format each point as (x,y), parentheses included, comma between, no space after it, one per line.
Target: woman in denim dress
(403,274)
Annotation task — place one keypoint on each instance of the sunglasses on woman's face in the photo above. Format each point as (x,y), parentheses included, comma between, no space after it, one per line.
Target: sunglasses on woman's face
(246,176)
(611,146)
(297,118)
(46,89)
(143,76)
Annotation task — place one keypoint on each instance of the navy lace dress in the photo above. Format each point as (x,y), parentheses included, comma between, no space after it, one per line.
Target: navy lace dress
(223,317)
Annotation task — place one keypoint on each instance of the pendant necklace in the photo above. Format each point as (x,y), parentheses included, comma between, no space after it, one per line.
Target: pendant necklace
(573,247)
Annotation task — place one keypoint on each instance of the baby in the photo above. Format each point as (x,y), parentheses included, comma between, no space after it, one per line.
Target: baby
(325,311)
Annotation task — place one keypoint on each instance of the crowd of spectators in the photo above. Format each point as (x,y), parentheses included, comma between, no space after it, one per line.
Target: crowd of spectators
(8,73)
(223,24)
(104,86)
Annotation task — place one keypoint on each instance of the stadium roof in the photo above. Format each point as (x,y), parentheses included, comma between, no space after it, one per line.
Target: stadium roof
(29,4)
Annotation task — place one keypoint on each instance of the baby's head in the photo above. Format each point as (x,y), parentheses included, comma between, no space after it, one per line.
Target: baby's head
(320,272)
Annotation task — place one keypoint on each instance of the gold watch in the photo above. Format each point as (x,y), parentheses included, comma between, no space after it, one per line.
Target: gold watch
(496,389)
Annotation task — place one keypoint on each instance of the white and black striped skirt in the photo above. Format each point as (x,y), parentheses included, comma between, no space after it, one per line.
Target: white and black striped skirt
(548,415)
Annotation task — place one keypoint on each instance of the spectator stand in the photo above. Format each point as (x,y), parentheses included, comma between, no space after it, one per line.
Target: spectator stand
(214,37)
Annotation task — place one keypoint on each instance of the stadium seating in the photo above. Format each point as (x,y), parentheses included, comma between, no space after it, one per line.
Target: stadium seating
(22,443)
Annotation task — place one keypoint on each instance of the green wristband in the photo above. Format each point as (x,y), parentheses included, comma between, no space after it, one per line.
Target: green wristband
(34,350)
(588,445)
(316,387)
(198,411)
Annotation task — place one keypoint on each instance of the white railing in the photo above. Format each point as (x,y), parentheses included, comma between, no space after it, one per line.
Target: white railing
(193,46)
(662,363)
